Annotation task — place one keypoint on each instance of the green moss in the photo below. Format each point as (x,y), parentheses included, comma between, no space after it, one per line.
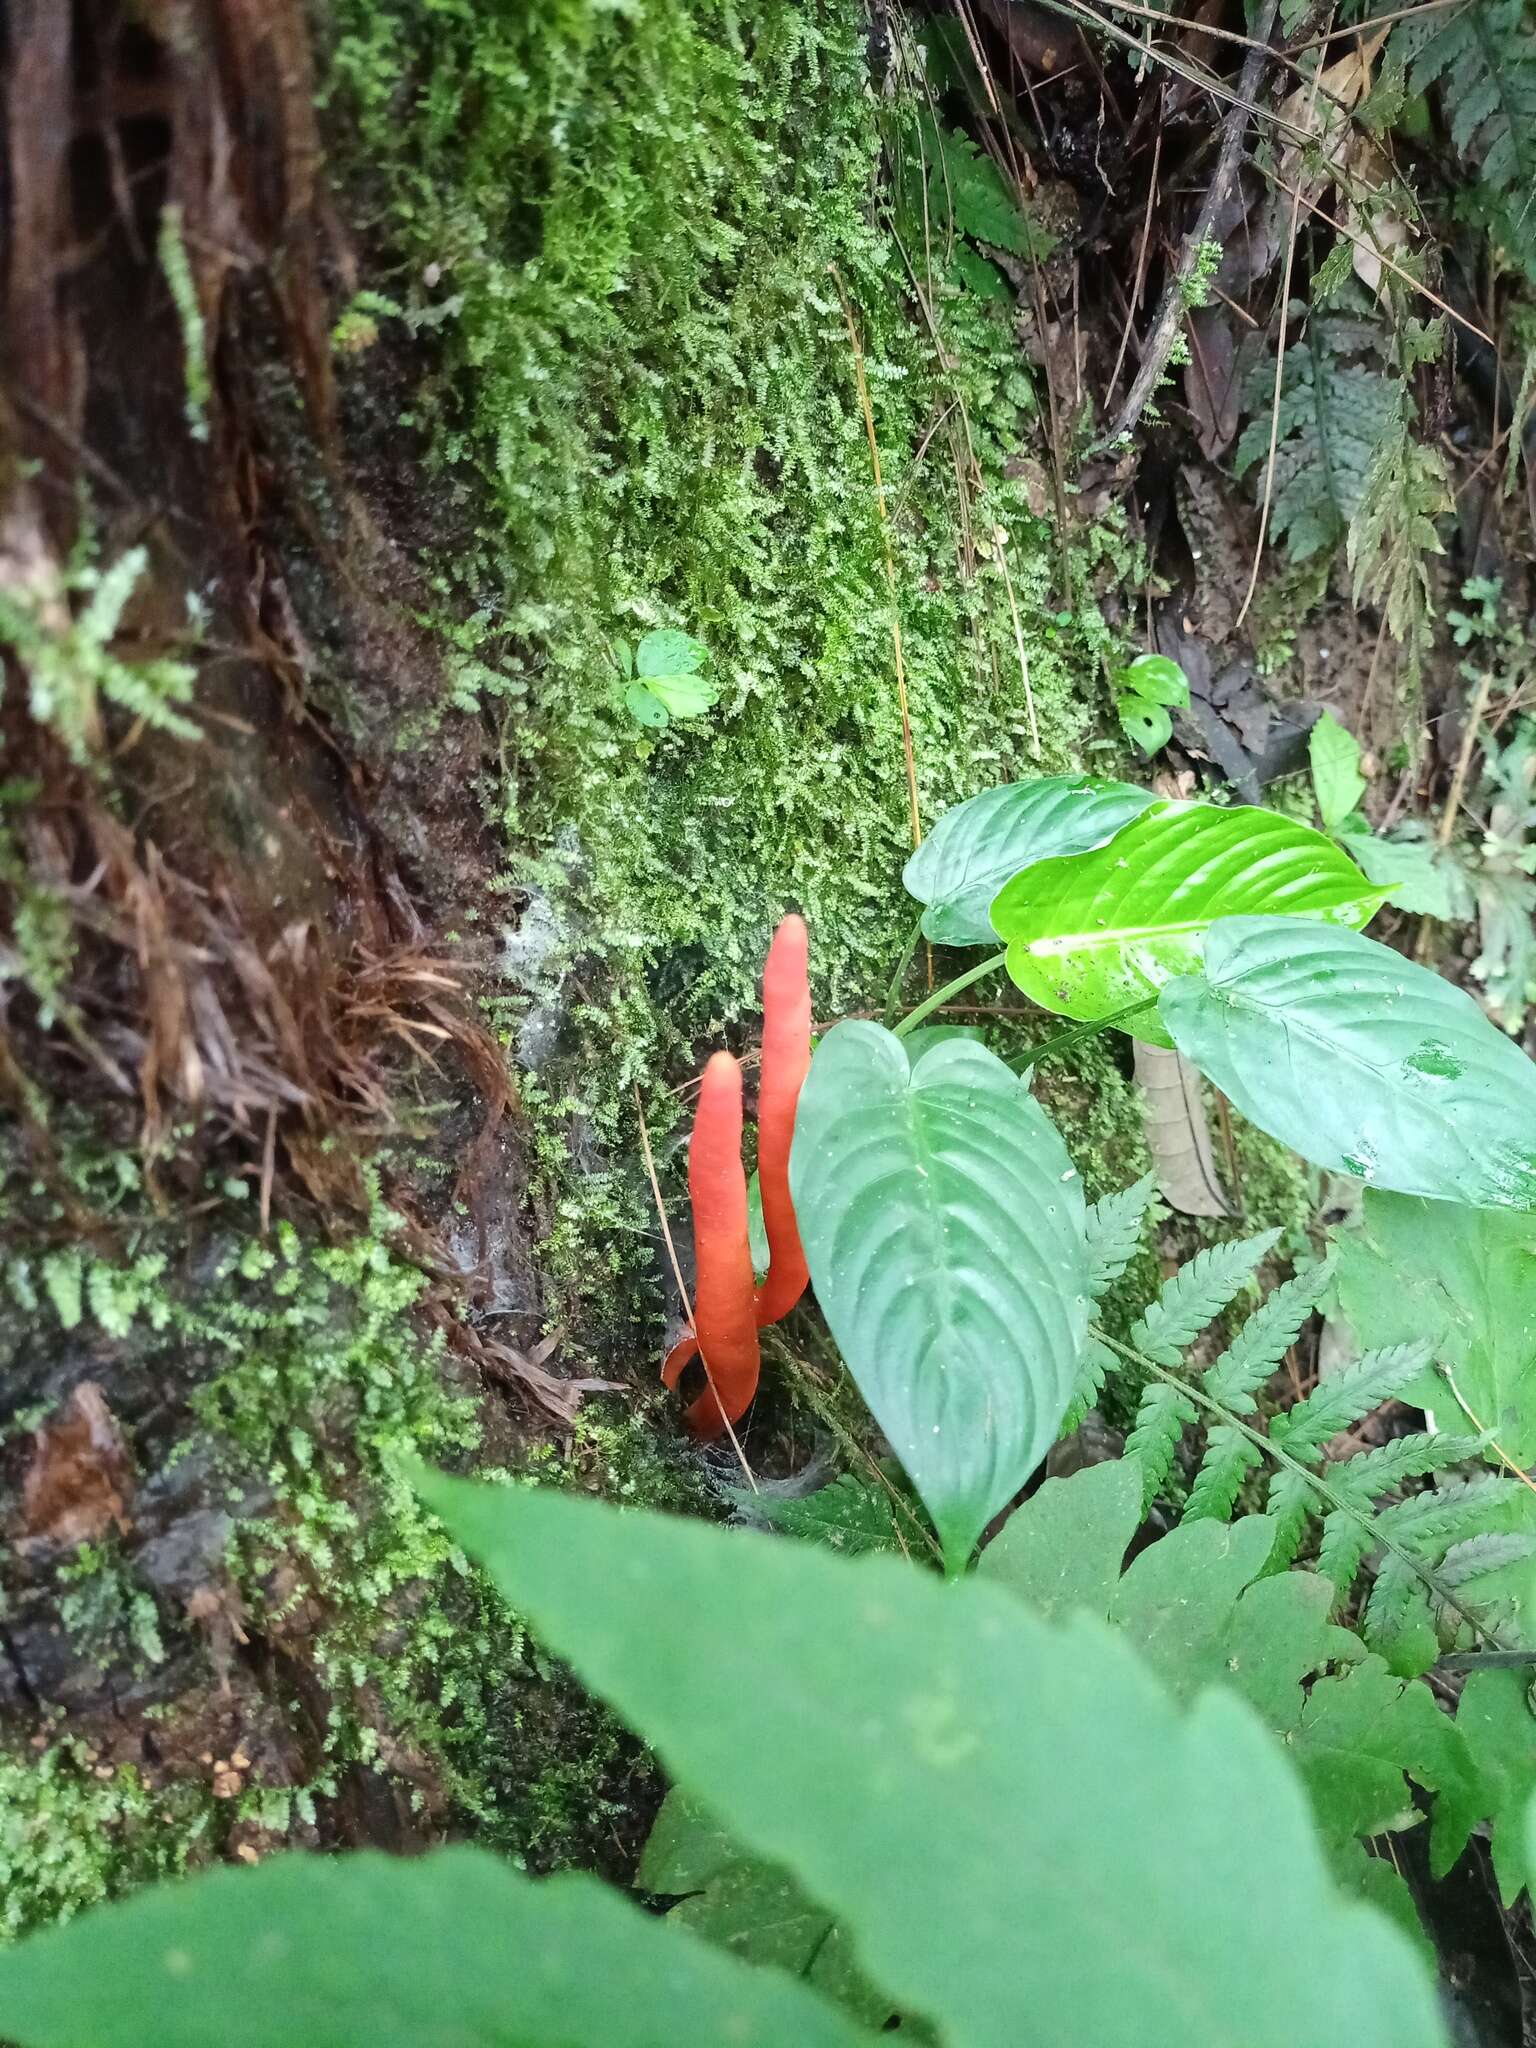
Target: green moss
(104,1613)
(74,1831)
(646,408)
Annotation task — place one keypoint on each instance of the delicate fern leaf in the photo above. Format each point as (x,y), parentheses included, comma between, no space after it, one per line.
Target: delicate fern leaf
(1366,1476)
(1342,1550)
(1161,1420)
(1260,1345)
(1229,1458)
(1431,1521)
(1344,1397)
(1393,534)
(1397,1620)
(1115,1223)
(1292,1504)
(1483,57)
(1333,416)
(1464,1563)
(1095,1362)
(1195,1294)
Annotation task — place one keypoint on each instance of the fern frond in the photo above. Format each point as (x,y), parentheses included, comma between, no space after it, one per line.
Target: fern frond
(1115,1223)
(1477,1556)
(1341,1550)
(1161,1420)
(1260,1345)
(1397,1607)
(1095,1362)
(1366,1476)
(1334,414)
(1229,1458)
(1392,534)
(1483,57)
(1428,1527)
(1431,1521)
(1195,1294)
(1292,1504)
(1344,1397)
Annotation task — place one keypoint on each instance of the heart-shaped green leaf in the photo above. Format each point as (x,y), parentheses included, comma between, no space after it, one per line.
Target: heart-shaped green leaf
(685,696)
(644,708)
(1155,678)
(988,839)
(1361,1061)
(943,1225)
(1145,724)
(1094,933)
(669,653)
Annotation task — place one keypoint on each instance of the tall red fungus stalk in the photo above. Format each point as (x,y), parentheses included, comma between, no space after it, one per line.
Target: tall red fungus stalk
(727,1311)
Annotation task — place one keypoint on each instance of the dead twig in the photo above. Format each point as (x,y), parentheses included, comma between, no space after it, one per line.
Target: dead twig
(1170,314)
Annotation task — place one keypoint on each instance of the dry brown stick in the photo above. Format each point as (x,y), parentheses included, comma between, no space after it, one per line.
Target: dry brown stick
(1386,262)
(1274,410)
(1170,315)
(1464,759)
(1139,280)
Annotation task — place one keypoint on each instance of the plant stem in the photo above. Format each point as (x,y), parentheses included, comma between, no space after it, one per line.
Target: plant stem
(893,993)
(941,996)
(1064,1039)
(1365,1517)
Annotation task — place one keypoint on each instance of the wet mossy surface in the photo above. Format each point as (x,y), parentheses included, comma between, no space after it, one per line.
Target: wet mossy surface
(619,272)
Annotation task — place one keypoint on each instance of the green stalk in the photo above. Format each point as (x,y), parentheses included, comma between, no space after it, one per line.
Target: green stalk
(942,995)
(893,993)
(1078,1033)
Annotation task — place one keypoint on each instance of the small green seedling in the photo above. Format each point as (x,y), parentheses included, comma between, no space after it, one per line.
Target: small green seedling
(1144,692)
(663,677)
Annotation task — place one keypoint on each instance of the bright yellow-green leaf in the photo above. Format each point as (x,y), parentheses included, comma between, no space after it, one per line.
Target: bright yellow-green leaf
(1090,934)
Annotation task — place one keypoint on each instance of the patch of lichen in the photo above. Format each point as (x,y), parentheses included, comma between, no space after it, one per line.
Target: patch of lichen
(629,235)
(75,1831)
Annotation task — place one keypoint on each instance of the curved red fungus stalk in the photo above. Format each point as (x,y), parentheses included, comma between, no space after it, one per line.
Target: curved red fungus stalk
(725,1326)
(786,1061)
(727,1312)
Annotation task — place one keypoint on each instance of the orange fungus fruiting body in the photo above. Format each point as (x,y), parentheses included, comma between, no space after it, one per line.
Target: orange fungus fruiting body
(724,1320)
(786,1061)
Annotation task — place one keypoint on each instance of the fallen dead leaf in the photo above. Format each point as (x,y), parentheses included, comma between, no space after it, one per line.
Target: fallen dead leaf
(80,1478)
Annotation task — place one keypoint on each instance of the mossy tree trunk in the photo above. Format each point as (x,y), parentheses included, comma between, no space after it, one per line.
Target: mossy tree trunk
(226,889)
(367,375)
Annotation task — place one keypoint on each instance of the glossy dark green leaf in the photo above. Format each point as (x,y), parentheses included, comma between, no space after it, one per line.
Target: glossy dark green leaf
(1360,1061)
(1025,1840)
(943,1225)
(1464,1281)
(1090,934)
(984,842)
(454,1950)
